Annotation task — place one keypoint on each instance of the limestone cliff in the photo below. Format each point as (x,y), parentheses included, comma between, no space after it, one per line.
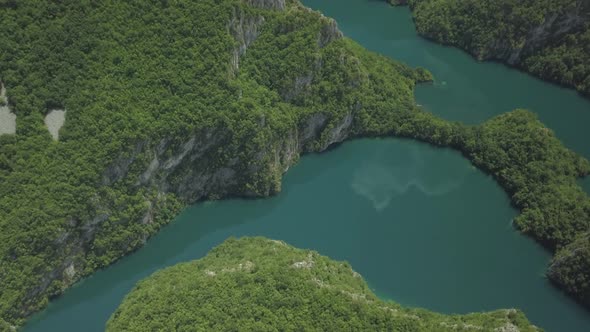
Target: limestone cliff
(195,166)
(169,103)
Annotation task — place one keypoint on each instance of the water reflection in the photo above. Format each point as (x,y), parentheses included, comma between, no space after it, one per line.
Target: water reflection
(449,252)
(380,182)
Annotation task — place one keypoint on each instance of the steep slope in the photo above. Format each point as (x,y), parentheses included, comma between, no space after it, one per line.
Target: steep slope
(273,286)
(167,103)
(547,38)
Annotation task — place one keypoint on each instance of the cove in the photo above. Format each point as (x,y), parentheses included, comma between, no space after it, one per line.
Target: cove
(421,224)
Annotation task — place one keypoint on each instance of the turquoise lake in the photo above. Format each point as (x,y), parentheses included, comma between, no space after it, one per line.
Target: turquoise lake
(421,224)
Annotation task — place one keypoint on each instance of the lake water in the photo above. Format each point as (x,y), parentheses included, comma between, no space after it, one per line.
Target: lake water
(465,90)
(420,224)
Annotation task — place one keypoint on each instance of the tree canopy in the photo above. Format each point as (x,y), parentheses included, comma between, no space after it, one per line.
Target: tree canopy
(271,286)
(143,79)
(138,79)
(547,38)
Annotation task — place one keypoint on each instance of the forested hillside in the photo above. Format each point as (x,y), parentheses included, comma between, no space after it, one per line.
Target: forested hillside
(275,287)
(167,103)
(547,38)
(171,102)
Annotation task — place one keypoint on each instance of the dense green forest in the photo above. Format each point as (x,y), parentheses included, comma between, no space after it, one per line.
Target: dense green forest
(570,268)
(141,80)
(274,287)
(170,102)
(547,38)
(540,175)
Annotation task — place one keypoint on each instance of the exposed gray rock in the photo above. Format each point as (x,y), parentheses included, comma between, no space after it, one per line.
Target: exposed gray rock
(119,168)
(54,120)
(509,327)
(192,169)
(555,27)
(340,131)
(7,118)
(70,271)
(245,29)
(329,33)
(148,217)
(307,263)
(300,85)
(189,174)
(267,4)
(313,126)
(149,172)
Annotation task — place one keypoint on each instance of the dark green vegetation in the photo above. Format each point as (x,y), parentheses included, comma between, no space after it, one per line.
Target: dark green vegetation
(169,82)
(547,38)
(570,267)
(530,163)
(554,209)
(272,286)
(172,102)
(540,176)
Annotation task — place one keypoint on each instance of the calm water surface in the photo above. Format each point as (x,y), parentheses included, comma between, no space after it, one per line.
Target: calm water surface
(465,90)
(421,224)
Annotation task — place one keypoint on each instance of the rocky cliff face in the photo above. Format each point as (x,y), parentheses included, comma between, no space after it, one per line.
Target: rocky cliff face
(195,168)
(186,169)
(245,29)
(267,4)
(554,27)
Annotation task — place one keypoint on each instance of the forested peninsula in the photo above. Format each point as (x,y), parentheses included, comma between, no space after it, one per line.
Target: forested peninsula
(548,38)
(274,287)
(169,103)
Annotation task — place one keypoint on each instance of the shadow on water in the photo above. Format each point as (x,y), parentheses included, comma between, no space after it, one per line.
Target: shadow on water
(464,90)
